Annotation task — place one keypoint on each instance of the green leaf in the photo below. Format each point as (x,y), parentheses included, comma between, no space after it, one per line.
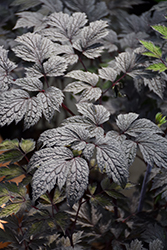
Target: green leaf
(4,195)
(62,219)
(114,194)
(159,119)
(36,228)
(11,171)
(161,29)
(155,50)
(7,235)
(58,196)
(16,189)
(4,199)
(10,209)
(11,155)
(44,199)
(27,145)
(157,67)
(100,199)
(9,144)
(107,85)
(92,188)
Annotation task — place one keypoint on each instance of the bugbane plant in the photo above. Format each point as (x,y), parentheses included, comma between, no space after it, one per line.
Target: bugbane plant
(86,99)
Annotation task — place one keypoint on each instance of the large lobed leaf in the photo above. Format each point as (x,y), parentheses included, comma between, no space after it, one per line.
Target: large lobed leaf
(146,135)
(33,48)
(86,85)
(66,27)
(6,67)
(58,166)
(89,40)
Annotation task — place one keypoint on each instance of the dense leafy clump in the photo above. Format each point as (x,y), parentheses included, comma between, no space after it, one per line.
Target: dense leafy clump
(84,83)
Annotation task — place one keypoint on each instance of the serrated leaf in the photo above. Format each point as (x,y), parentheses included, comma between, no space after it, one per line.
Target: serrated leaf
(111,158)
(58,196)
(86,84)
(160,184)
(100,199)
(29,19)
(46,154)
(6,67)
(64,136)
(96,113)
(53,169)
(10,209)
(125,61)
(27,145)
(124,121)
(55,66)
(129,124)
(50,100)
(7,235)
(130,151)
(135,245)
(33,112)
(93,10)
(4,195)
(16,104)
(9,144)
(25,5)
(11,155)
(52,5)
(156,244)
(153,148)
(77,180)
(155,50)
(108,73)
(82,76)
(161,29)
(89,39)
(62,219)
(33,48)
(156,84)
(30,84)
(157,67)
(11,171)
(66,27)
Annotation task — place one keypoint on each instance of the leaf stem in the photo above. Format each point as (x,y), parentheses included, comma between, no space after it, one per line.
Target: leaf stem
(65,107)
(82,63)
(115,82)
(143,189)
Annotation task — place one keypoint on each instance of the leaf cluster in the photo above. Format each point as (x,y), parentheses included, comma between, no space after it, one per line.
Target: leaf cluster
(89,81)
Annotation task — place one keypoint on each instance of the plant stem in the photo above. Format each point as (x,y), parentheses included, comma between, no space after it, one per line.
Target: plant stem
(65,107)
(143,189)
(115,82)
(82,63)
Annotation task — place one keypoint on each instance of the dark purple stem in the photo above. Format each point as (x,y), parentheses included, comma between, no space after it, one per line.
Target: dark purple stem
(65,107)
(143,189)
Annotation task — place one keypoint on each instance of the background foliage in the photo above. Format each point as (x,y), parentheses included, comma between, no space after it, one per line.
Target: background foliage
(82,95)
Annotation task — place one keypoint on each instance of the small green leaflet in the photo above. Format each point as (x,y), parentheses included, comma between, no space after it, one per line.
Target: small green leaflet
(161,29)
(15,151)
(11,171)
(27,145)
(155,50)
(10,209)
(157,67)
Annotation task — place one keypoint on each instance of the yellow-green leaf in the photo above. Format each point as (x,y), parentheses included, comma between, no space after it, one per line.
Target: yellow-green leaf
(27,145)
(10,209)
(9,144)
(157,67)
(155,50)
(161,29)
(13,155)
